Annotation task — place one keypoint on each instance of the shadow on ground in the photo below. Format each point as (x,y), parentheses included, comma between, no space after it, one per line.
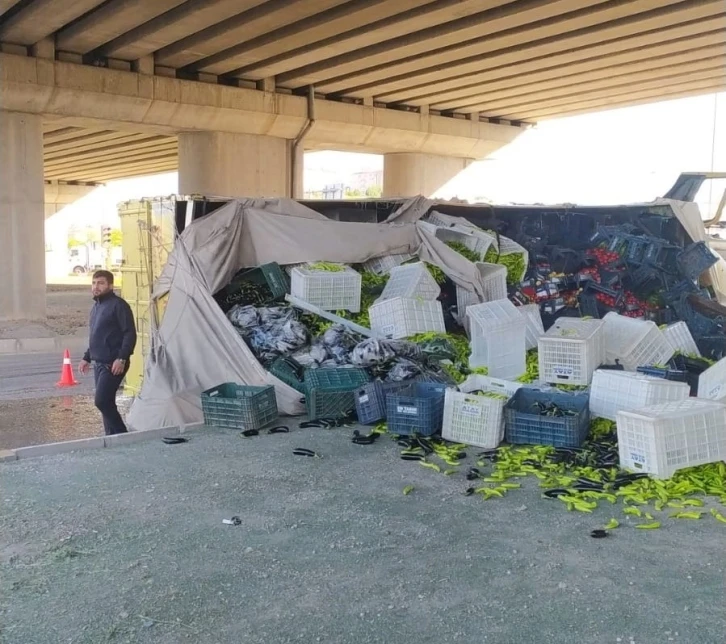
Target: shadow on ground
(127,545)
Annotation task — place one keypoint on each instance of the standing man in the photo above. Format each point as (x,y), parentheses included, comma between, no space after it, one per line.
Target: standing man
(112,340)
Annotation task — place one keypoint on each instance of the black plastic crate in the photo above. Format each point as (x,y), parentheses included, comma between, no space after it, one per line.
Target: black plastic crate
(661,316)
(418,409)
(666,373)
(370,399)
(712,346)
(699,325)
(645,280)
(636,248)
(239,406)
(588,305)
(695,259)
(661,254)
(525,425)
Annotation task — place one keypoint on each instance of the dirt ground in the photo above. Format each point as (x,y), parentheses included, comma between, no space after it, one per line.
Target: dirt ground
(68,309)
(127,545)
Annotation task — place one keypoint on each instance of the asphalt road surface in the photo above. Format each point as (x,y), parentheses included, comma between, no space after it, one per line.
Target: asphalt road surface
(35,376)
(34,411)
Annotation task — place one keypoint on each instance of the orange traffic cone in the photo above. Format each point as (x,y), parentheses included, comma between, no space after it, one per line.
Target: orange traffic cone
(67,379)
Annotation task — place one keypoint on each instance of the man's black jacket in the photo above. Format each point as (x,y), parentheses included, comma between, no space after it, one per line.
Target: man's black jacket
(112,333)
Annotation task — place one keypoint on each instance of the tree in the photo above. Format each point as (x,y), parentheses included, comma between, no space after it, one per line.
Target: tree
(374,192)
(74,241)
(116,238)
(352,193)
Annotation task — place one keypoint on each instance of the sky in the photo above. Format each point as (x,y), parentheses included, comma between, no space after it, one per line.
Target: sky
(621,156)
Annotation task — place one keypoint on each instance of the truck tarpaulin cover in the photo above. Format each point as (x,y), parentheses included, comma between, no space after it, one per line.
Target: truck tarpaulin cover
(195,347)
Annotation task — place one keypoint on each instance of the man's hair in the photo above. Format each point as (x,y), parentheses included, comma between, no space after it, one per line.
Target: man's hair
(107,275)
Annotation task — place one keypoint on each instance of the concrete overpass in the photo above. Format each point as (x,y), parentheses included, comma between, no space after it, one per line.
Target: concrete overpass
(231,92)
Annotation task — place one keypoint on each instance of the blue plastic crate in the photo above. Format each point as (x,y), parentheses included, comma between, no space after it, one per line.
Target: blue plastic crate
(418,409)
(370,399)
(525,425)
(239,406)
(695,259)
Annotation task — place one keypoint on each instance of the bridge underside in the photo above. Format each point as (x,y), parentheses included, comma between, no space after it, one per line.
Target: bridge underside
(231,91)
(521,61)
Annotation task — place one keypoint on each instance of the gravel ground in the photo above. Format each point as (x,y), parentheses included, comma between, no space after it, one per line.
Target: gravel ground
(68,308)
(127,545)
(49,420)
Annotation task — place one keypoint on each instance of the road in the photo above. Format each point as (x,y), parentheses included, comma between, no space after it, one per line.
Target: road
(34,411)
(35,376)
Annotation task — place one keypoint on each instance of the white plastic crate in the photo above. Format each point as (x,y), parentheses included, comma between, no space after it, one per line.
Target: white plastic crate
(680,338)
(477,240)
(383,265)
(494,278)
(662,439)
(458,234)
(635,343)
(402,317)
(712,382)
(509,247)
(570,351)
(497,333)
(535,328)
(614,391)
(330,290)
(478,382)
(412,281)
(289,268)
(473,420)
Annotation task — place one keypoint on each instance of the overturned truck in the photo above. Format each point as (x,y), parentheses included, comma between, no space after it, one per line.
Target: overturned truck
(195,346)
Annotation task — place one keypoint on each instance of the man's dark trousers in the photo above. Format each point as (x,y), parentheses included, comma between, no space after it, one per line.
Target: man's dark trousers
(106,387)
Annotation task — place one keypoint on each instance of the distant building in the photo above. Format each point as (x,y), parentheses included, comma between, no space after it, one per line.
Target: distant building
(361,181)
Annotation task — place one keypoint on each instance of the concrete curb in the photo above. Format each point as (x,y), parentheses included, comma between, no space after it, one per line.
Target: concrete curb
(8,346)
(49,449)
(75,344)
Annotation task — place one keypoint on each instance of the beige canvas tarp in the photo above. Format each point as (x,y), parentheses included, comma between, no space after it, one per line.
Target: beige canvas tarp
(196,348)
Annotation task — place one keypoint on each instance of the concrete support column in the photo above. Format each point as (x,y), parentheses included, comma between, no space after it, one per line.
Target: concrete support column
(22,220)
(408,174)
(218,164)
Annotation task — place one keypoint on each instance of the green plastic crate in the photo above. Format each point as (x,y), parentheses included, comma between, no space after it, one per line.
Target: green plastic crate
(334,378)
(330,393)
(239,406)
(329,403)
(256,286)
(290,371)
(272,276)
